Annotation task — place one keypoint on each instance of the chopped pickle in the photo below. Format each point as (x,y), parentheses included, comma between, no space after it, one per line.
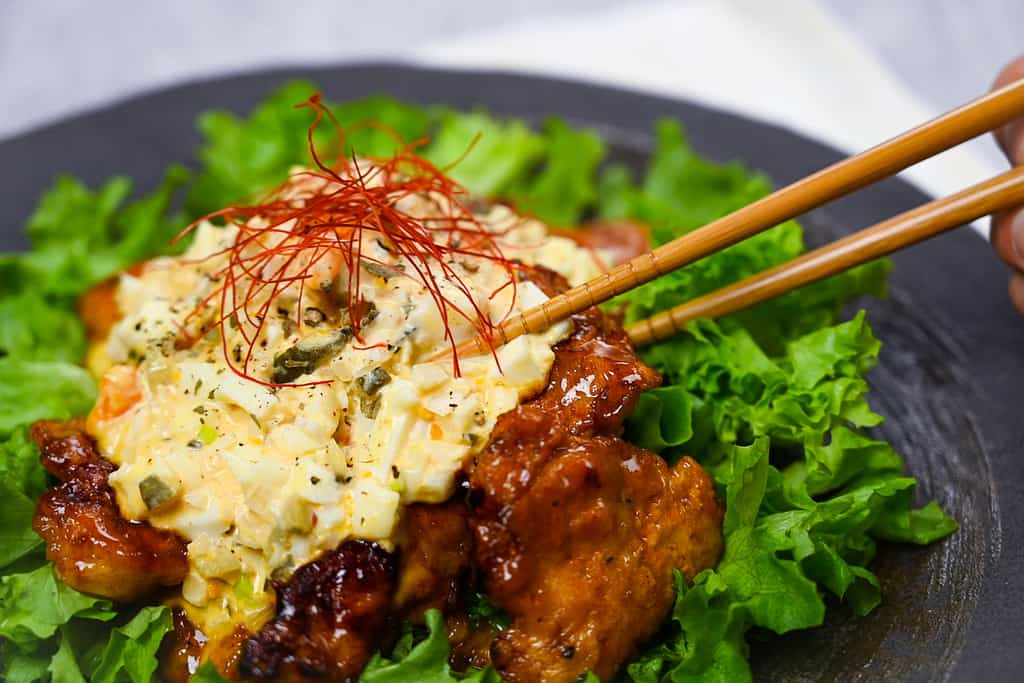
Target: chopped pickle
(372,381)
(155,492)
(207,435)
(380,270)
(307,355)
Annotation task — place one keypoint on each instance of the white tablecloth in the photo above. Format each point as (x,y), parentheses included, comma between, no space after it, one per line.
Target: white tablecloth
(787,61)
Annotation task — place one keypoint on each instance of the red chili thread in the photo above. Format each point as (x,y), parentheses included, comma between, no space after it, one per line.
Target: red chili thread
(291,235)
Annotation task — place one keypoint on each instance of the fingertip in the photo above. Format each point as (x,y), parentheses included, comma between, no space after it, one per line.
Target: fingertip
(1007,236)
(1011,136)
(1017,291)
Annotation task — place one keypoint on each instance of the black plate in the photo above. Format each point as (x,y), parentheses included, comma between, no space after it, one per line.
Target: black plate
(951,379)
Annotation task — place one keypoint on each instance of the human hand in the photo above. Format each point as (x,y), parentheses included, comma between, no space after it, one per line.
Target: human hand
(1008,226)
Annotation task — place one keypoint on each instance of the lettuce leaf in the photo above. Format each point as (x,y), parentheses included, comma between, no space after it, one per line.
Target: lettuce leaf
(80,237)
(242,158)
(792,534)
(48,626)
(208,673)
(424,662)
(550,174)
(565,186)
(775,567)
(35,604)
(484,154)
(682,192)
(17,539)
(131,650)
(20,468)
(739,392)
(37,390)
(31,328)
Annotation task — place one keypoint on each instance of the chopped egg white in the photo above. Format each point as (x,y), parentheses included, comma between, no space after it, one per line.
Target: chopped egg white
(261,479)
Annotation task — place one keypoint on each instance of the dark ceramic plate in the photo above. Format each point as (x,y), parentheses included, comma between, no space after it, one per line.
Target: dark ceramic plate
(951,380)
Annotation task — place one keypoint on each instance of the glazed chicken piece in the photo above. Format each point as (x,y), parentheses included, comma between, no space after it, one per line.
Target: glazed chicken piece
(186,647)
(331,617)
(577,532)
(435,559)
(98,307)
(93,548)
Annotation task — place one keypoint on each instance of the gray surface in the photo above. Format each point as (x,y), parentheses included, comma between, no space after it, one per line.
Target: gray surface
(949,380)
(63,57)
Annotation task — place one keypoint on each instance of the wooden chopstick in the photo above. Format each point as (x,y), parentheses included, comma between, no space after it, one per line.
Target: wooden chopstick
(983,114)
(996,194)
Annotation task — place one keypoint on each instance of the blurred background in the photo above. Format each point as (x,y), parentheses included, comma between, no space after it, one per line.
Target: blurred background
(847,72)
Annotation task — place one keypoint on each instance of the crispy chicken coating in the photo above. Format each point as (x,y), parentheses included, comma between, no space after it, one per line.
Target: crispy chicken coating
(331,617)
(435,559)
(186,647)
(577,532)
(93,548)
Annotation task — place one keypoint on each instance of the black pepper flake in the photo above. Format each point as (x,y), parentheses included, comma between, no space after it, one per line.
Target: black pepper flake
(195,443)
(314,480)
(394,472)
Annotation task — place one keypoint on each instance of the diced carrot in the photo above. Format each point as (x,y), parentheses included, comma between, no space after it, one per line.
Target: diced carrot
(119,391)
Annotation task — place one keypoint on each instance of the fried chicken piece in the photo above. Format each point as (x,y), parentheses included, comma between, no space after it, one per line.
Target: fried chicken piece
(181,651)
(435,559)
(331,617)
(98,308)
(186,647)
(93,548)
(619,238)
(577,532)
